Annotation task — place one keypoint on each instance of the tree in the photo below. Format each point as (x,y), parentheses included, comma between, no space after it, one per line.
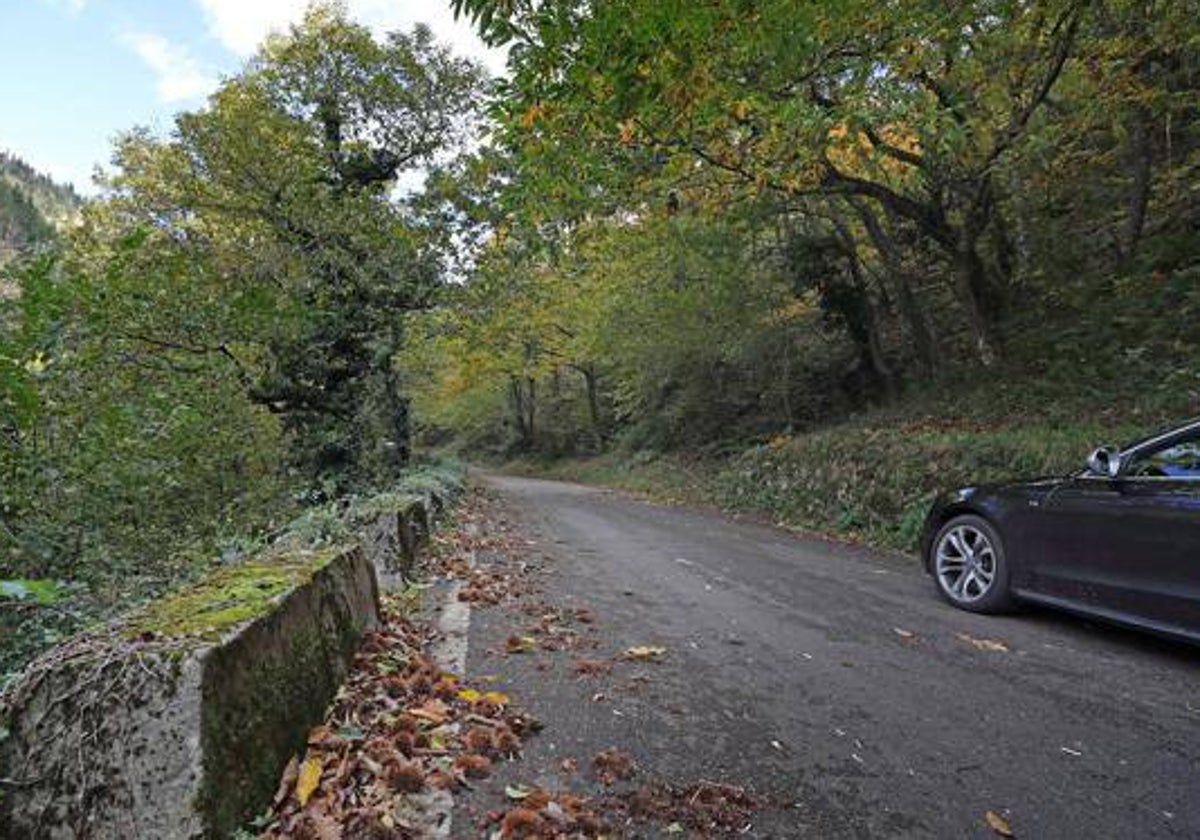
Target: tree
(907,108)
(282,189)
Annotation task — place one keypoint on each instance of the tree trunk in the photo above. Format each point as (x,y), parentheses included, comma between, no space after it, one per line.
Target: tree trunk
(910,308)
(593,398)
(972,285)
(859,306)
(531,409)
(516,395)
(1140,161)
(397,406)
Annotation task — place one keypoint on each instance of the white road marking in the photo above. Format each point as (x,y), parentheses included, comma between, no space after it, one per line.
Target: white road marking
(450,653)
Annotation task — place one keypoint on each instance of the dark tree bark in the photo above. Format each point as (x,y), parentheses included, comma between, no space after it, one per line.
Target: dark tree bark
(1141,159)
(910,308)
(859,311)
(592,386)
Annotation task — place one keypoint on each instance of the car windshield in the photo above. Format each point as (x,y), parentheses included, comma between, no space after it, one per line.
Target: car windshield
(1142,441)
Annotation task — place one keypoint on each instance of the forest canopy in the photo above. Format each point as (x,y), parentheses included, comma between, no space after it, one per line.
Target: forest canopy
(727,220)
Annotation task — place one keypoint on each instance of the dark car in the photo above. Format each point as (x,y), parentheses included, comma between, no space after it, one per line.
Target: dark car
(1120,541)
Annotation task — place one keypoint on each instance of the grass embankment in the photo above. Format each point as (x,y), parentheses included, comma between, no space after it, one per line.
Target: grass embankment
(871,478)
(864,481)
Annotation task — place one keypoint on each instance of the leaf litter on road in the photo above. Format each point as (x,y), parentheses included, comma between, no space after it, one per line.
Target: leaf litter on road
(399,728)
(991,645)
(998,824)
(644,653)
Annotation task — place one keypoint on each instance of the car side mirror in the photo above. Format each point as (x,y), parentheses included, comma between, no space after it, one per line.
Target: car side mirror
(1105,462)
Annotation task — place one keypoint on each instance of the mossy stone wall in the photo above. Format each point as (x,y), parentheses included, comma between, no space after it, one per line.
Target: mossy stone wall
(174,724)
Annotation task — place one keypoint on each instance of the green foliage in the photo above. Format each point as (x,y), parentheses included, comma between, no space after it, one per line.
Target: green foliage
(58,204)
(32,208)
(21,225)
(213,346)
(279,194)
(876,483)
(38,591)
(743,220)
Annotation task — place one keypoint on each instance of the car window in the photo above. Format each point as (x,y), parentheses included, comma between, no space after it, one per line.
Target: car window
(1179,461)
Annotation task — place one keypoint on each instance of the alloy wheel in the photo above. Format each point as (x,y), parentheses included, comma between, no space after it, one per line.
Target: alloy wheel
(965,564)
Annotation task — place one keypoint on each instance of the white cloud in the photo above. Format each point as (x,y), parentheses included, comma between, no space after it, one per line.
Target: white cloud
(72,6)
(180,77)
(241,25)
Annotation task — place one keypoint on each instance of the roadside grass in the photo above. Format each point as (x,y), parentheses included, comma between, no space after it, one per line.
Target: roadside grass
(872,479)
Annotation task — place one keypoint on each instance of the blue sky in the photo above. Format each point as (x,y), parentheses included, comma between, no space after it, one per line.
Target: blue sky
(76,73)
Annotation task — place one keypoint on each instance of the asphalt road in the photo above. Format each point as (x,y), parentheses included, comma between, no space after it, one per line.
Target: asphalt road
(832,679)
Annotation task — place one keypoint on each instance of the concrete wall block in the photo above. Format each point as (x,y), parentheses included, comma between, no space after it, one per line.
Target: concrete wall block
(121,737)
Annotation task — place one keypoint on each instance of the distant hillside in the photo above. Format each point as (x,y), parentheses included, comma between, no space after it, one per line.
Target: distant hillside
(32,205)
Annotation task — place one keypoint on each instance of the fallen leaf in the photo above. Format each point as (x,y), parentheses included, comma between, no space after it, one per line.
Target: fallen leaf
(469,694)
(644,653)
(290,774)
(323,827)
(613,765)
(497,697)
(520,644)
(998,824)
(591,667)
(322,736)
(994,645)
(473,766)
(517,792)
(904,634)
(434,711)
(308,780)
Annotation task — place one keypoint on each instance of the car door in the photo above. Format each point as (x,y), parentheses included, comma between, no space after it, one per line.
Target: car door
(1071,555)
(1155,558)
(1128,546)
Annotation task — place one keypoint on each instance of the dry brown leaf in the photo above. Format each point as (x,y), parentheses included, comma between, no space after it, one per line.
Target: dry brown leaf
(322,736)
(520,644)
(994,645)
(323,827)
(473,766)
(644,653)
(434,711)
(613,765)
(998,824)
(290,774)
(591,667)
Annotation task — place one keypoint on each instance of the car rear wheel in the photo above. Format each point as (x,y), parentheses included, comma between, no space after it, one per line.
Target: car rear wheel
(969,565)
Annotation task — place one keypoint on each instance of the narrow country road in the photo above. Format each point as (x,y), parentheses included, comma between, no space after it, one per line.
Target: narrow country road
(833,679)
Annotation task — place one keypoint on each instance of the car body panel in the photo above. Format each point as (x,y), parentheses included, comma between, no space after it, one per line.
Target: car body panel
(1122,548)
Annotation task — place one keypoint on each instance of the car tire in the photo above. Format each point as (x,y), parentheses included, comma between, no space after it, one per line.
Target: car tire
(969,565)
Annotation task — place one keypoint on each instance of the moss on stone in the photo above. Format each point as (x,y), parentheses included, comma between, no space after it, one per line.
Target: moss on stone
(229,597)
(401,503)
